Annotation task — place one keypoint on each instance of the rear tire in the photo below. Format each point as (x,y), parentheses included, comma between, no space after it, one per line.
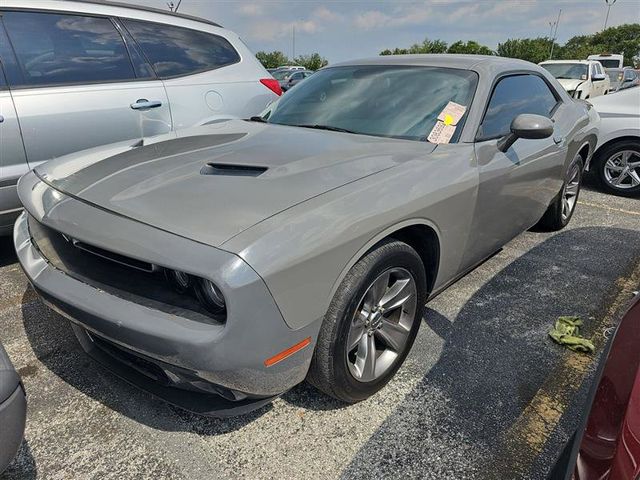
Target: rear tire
(364,303)
(561,209)
(609,164)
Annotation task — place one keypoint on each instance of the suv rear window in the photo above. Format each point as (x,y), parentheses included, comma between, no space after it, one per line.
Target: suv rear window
(175,51)
(57,49)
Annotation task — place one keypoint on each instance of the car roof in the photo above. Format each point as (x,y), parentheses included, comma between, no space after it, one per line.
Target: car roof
(569,61)
(66,5)
(447,60)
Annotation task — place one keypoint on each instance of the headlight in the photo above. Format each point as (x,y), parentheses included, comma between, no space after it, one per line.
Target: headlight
(210,296)
(207,293)
(180,281)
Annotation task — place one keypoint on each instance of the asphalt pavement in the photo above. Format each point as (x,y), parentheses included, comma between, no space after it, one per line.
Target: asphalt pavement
(484,393)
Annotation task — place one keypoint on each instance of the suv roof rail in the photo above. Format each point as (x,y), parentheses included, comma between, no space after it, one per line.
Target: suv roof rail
(134,6)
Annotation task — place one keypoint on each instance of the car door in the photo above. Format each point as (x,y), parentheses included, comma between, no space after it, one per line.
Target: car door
(598,86)
(204,75)
(516,186)
(79,85)
(13,162)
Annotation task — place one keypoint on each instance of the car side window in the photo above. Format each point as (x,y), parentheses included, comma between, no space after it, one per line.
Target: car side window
(296,76)
(54,49)
(512,96)
(175,51)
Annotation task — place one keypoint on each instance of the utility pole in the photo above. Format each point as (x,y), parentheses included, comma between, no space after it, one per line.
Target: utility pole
(606,19)
(173,7)
(293,42)
(554,35)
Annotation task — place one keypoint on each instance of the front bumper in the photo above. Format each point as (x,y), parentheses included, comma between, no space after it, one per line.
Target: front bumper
(218,368)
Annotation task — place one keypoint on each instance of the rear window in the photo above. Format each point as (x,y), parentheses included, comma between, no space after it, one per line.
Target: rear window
(609,63)
(175,51)
(55,49)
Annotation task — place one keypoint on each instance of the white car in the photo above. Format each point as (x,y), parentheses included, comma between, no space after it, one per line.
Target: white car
(616,161)
(83,74)
(580,78)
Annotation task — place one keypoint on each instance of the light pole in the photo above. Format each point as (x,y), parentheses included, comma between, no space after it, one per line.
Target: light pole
(606,19)
(554,33)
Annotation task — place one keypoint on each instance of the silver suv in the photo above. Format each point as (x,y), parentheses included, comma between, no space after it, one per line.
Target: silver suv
(75,75)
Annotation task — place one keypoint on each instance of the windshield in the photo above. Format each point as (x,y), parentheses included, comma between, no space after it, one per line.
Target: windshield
(574,71)
(380,100)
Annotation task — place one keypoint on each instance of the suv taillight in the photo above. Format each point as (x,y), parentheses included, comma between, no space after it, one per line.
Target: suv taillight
(272,84)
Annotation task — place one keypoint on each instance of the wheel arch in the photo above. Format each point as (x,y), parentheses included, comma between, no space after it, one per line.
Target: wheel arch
(613,141)
(421,234)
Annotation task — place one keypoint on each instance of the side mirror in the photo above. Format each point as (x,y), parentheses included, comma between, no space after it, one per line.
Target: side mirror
(526,125)
(598,76)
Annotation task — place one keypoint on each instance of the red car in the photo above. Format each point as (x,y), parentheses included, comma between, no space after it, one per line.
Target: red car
(607,446)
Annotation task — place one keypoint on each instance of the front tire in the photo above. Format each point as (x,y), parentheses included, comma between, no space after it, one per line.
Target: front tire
(371,323)
(617,168)
(561,209)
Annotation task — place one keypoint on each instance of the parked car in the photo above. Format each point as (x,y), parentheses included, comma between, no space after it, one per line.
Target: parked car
(616,162)
(221,268)
(13,410)
(607,443)
(580,78)
(290,67)
(608,60)
(630,78)
(82,74)
(294,78)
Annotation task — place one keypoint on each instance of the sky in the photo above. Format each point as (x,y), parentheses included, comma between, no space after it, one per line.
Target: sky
(343,30)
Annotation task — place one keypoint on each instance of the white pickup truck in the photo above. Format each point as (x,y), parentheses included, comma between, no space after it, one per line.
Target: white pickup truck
(580,78)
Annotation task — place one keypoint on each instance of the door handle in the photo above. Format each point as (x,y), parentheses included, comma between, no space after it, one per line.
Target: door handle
(1,119)
(143,103)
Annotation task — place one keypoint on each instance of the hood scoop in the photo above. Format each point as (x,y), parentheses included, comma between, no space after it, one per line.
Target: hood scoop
(232,170)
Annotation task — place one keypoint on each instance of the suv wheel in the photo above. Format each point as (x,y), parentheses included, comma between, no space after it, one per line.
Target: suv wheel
(617,167)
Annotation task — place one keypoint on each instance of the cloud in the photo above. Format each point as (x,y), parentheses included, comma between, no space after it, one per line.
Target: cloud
(269,29)
(251,9)
(401,16)
(324,14)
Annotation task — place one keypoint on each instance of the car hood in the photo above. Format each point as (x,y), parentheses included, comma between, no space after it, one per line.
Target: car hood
(570,84)
(211,183)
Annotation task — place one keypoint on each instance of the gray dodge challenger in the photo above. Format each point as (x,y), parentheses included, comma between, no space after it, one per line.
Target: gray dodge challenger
(220,266)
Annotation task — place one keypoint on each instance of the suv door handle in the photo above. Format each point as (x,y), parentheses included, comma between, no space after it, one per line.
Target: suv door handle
(143,103)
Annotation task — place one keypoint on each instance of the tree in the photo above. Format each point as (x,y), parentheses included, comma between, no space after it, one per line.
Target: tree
(427,46)
(470,47)
(533,50)
(311,62)
(273,59)
(624,39)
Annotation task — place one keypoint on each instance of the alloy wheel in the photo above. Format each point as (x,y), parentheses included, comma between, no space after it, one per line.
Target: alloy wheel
(622,169)
(570,192)
(381,324)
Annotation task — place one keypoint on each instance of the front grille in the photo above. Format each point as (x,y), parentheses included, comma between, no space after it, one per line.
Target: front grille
(125,277)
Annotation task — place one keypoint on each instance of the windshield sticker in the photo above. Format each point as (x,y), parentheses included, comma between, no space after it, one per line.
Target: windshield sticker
(452,113)
(441,133)
(445,126)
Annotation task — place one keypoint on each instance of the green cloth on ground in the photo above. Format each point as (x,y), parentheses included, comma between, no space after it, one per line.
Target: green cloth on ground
(567,332)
